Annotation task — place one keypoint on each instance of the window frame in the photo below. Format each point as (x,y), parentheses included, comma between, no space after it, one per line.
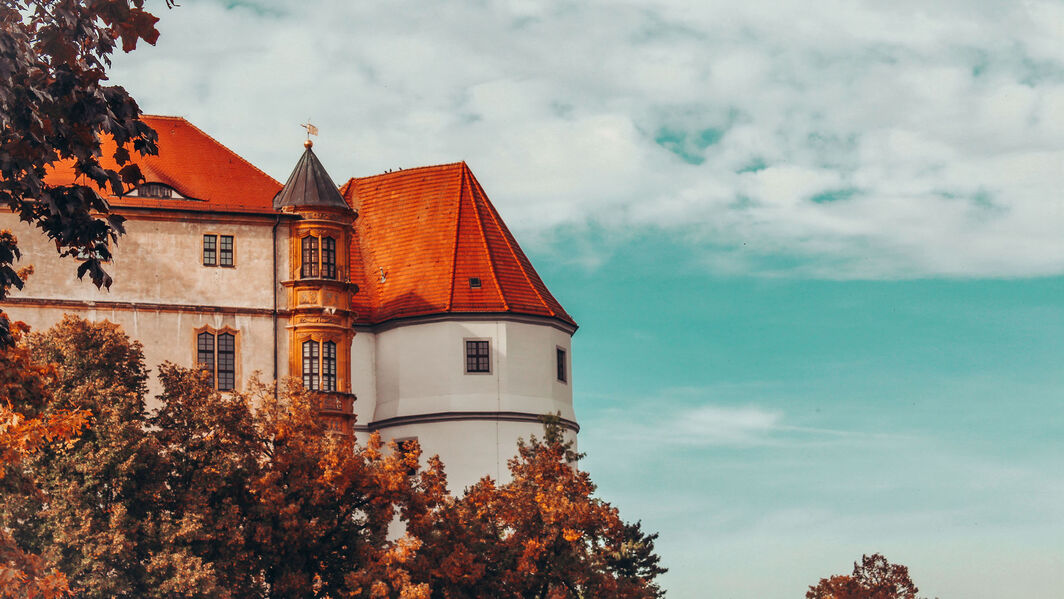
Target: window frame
(562,358)
(324,363)
(466,345)
(309,247)
(214,249)
(214,368)
(222,251)
(327,256)
(312,379)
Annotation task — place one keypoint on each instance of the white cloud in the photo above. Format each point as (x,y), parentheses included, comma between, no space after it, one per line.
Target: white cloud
(857,139)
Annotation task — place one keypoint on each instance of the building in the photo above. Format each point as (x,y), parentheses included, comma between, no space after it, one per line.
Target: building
(402,297)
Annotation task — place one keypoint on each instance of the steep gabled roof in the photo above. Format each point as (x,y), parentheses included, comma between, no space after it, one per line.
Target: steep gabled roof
(422,234)
(309,185)
(210,176)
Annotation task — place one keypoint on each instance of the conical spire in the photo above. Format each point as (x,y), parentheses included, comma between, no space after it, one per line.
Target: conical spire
(309,185)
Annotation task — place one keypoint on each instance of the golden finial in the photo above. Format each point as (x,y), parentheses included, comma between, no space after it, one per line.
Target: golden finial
(311,130)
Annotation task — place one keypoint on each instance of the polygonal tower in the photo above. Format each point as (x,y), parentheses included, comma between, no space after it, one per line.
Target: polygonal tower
(319,288)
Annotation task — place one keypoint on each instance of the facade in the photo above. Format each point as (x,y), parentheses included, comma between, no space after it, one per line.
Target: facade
(402,297)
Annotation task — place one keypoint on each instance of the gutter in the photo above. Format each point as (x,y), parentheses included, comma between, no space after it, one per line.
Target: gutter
(273,236)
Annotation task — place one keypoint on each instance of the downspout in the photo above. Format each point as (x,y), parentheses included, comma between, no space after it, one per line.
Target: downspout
(276,224)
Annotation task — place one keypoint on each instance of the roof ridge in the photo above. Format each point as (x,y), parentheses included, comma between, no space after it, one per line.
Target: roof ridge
(410,170)
(220,144)
(484,236)
(510,243)
(457,234)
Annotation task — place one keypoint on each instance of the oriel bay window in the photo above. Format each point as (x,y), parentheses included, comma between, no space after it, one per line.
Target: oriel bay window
(328,258)
(309,268)
(216,353)
(319,365)
(315,263)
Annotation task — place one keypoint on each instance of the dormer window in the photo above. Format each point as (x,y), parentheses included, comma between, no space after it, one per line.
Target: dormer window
(155,190)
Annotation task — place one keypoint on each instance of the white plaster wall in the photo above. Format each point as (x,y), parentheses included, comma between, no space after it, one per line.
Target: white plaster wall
(421,369)
(470,450)
(364,377)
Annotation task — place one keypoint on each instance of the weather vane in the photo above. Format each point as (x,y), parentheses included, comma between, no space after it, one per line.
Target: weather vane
(311,130)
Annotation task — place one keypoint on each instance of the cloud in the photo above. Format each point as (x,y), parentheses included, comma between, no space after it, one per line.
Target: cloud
(715,425)
(852,139)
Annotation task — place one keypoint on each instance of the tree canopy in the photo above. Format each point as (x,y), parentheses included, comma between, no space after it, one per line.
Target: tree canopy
(246,495)
(54,106)
(872,578)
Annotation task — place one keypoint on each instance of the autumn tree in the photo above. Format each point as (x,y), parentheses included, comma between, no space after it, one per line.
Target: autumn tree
(542,535)
(96,518)
(54,106)
(23,392)
(231,495)
(873,578)
(264,502)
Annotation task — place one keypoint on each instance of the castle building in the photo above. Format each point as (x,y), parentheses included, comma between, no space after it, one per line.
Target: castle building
(402,297)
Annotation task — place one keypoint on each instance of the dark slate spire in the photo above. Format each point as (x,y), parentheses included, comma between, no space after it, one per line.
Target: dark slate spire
(309,185)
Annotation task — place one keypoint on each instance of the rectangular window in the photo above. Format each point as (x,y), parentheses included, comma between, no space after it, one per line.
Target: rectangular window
(328,366)
(478,356)
(561,365)
(225,252)
(310,365)
(205,353)
(309,265)
(328,258)
(226,362)
(210,250)
(216,353)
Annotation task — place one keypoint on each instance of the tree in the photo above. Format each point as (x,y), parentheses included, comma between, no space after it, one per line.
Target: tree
(23,382)
(264,502)
(96,519)
(542,535)
(230,495)
(54,106)
(873,578)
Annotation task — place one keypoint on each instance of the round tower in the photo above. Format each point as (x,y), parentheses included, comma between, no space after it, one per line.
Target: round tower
(319,287)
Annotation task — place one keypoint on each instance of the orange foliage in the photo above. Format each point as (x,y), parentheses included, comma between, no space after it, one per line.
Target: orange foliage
(542,535)
(23,386)
(873,578)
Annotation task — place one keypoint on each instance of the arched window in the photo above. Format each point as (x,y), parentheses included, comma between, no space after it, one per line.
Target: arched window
(328,366)
(310,365)
(309,267)
(319,365)
(328,258)
(216,353)
(205,352)
(226,362)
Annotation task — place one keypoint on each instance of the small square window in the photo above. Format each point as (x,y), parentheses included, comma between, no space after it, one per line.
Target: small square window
(478,356)
(474,282)
(562,370)
(210,250)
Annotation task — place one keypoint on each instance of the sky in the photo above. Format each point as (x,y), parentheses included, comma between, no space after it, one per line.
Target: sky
(816,248)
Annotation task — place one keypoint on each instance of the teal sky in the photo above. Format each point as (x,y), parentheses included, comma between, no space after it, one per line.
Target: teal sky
(788,425)
(816,249)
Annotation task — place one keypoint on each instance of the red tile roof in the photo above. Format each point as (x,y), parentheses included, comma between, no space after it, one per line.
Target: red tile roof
(210,175)
(422,233)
